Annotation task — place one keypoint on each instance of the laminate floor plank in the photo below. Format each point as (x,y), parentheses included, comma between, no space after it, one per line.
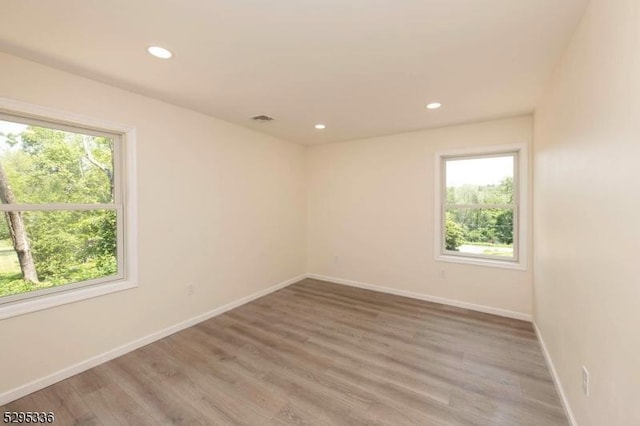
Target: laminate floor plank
(343,350)
(318,353)
(68,406)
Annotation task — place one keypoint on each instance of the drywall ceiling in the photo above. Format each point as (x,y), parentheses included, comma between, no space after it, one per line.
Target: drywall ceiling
(362,67)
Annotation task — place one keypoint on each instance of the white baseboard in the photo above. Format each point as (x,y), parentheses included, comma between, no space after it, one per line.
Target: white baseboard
(555,377)
(426,297)
(65,373)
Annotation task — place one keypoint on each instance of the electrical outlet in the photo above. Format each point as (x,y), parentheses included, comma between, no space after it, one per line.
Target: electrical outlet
(585,380)
(336,259)
(191,289)
(443,274)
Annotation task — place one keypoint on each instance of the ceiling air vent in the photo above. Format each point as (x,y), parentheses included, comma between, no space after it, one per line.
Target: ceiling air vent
(262,118)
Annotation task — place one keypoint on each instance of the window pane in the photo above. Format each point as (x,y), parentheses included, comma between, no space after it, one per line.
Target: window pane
(486,180)
(487,232)
(44,165)
(66,247)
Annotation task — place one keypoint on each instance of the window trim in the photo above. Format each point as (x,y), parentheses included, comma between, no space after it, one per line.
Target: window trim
(520,206)
(127,276)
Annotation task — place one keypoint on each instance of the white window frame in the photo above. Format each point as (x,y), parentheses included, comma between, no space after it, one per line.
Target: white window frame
(520,206)
(125,203)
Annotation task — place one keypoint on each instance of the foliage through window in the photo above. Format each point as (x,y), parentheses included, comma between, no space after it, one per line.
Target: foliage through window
(62,207)
(480,206)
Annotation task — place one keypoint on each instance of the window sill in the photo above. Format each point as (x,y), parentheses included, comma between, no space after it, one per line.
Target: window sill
(26,306)
(482,262)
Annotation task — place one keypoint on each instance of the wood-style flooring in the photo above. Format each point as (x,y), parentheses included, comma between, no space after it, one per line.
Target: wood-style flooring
(321,354)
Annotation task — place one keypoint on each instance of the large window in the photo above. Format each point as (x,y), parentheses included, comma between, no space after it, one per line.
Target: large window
(480,209)
(64,212)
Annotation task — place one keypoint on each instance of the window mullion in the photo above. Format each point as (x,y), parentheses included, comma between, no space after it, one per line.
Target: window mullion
(480,206)
(57,207)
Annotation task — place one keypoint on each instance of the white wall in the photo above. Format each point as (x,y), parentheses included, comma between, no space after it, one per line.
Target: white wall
(219,205)
(587,222)
(371,203)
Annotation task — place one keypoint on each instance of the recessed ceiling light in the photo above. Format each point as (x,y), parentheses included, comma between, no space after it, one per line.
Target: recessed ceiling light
(159,52)
(320,126)
(434,105)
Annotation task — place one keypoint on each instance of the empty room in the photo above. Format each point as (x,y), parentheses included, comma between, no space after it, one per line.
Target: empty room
(355,212)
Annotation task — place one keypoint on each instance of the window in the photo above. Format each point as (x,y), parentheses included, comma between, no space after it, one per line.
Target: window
(65,192)
(481,215)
